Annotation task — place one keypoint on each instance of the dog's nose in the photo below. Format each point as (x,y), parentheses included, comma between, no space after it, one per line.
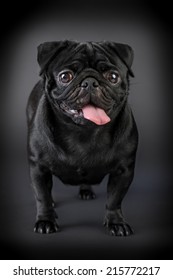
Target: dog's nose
(89,83)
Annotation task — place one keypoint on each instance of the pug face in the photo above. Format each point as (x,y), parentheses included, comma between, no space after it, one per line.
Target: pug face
(87,82)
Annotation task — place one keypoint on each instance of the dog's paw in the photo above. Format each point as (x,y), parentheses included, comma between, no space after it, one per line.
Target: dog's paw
(121,229)
(86,194)
(46,227)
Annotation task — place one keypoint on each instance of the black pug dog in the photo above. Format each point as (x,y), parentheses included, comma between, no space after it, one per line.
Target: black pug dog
(81,128)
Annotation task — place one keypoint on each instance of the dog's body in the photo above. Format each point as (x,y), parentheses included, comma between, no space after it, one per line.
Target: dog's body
(81,128)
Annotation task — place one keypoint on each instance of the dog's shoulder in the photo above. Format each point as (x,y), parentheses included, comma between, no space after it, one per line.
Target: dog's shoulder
(34,100)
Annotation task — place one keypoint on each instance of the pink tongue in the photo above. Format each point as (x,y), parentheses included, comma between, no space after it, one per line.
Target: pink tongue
(95,114)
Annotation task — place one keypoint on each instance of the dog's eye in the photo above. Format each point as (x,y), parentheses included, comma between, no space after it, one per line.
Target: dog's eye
(65,77)
(112,77)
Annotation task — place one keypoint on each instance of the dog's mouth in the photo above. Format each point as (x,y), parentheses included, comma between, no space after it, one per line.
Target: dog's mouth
(95,114)
(89,112)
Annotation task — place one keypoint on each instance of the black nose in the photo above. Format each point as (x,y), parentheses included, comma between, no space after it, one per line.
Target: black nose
(89,83)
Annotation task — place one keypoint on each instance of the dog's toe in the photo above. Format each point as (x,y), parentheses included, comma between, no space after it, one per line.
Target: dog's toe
(119,229)
(46,227)
(86,194)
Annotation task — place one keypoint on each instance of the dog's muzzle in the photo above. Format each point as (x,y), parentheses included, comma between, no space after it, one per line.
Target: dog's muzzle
(91,112)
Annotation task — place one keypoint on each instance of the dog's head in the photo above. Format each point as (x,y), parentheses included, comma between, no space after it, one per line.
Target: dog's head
(86,81)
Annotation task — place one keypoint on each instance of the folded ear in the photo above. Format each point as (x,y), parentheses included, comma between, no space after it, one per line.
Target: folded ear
(124,52)
(47,52)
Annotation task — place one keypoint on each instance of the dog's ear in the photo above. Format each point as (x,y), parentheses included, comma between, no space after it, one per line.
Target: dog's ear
(124,52)
(47,52)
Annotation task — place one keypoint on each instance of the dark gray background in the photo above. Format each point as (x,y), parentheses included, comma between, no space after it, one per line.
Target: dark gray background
(148,204)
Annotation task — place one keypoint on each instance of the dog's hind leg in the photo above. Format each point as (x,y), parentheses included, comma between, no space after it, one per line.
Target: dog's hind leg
(86,192)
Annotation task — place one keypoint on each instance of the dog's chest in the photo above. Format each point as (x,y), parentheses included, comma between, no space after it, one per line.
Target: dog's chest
(76,175)
(86,161)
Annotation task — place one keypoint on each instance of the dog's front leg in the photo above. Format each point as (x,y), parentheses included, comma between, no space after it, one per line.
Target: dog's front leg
(117,187)
(41,180)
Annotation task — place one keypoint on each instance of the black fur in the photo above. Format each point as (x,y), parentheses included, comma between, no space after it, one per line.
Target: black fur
(63,143)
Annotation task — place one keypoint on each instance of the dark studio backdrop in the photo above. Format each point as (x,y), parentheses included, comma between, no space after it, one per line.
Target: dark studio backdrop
(148,204)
